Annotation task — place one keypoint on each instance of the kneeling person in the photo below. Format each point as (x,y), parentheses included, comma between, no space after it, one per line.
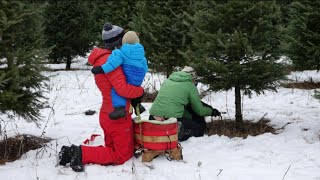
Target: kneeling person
(131,56)
(178,97)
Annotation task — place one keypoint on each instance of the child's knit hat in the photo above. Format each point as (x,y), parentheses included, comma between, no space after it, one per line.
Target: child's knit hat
(130,37)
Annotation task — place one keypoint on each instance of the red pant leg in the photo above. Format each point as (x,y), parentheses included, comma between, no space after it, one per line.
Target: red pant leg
(119,141)
(106,127)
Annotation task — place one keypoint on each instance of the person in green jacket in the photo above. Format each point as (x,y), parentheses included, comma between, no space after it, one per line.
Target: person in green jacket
(179,98)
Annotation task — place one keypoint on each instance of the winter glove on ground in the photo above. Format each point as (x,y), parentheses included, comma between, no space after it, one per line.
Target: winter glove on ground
(215,112)
(97,70)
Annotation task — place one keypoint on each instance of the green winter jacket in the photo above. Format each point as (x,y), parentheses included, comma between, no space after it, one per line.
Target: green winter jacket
(174,94)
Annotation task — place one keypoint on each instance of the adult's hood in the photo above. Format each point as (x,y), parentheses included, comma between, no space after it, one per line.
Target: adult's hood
(97,53)
(180,76)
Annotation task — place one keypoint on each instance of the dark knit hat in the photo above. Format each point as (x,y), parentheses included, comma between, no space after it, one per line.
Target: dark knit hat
(112,35)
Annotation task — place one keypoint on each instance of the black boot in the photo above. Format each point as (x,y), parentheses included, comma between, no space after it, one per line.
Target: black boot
(64,155)
(180,131)
(118,112)
(76,159)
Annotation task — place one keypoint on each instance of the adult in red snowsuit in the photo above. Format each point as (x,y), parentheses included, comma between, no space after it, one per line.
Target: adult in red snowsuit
(118,134)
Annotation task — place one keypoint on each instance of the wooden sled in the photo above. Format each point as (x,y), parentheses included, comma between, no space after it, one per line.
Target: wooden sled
(157,138)
(173,154)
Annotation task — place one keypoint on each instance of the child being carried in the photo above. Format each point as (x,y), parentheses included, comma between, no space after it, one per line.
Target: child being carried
(131,56)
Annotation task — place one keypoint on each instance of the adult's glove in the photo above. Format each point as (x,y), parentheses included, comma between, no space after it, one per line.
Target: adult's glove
(136,103)
(137,100)
(97,70)
(215,112)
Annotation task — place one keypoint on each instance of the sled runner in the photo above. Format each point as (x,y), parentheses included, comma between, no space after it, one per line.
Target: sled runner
(173,154)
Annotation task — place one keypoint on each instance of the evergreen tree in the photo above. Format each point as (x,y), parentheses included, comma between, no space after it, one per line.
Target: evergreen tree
(163,27)
(284,7)
(304,34)
(119,13)
(235,45)
(69,29)
(21,53)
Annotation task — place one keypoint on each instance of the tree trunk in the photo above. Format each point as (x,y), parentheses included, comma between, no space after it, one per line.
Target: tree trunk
(169,70)
(239,120)
(56,61)
(68,64)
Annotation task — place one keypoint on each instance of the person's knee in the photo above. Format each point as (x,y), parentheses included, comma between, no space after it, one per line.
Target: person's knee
(125,157)
(124,151)
(198,133)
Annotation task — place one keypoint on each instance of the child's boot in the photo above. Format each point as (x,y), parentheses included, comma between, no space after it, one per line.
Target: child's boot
(118,112)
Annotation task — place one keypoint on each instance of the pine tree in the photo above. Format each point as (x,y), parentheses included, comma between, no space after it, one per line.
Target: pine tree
(69,29)
(284,7)
(304,34)
(235,45)
(120,14)
(21,53)
(163,27)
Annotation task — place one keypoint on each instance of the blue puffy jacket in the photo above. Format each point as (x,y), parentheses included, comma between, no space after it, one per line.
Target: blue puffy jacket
(134,65)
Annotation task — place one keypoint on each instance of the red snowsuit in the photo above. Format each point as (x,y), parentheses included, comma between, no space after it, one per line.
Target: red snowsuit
(118,134)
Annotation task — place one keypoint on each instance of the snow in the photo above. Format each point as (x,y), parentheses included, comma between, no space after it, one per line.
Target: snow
(77,63)
(301,76)
(265,157)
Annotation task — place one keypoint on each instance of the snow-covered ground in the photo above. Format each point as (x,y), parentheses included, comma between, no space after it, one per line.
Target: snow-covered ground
(264,157)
